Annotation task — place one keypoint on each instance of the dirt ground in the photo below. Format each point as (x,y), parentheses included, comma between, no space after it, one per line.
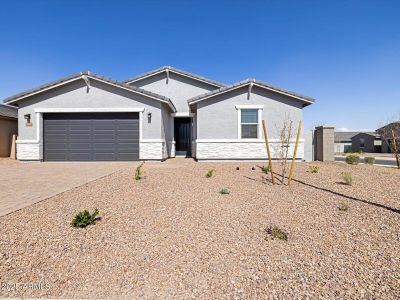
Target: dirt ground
(173,235)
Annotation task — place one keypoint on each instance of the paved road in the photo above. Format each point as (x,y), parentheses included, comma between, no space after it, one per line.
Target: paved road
(23,184)
(378,161)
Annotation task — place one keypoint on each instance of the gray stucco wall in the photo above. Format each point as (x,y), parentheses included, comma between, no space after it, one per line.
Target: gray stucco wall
(217,118)
(100,95)
(179,89)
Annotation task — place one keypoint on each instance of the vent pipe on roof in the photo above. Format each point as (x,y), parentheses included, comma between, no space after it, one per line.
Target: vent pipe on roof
(167,75)
(250,87)
(87,81)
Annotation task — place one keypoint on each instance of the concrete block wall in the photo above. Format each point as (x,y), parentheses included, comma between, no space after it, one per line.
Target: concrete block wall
(324,143)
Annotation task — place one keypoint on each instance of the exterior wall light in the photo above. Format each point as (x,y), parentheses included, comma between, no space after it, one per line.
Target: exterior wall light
(149,117)
(27,117)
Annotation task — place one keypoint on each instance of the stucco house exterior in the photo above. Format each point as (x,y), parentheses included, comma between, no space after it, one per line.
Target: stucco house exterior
(348,141)
(160,114)
(8,127)
(387,132)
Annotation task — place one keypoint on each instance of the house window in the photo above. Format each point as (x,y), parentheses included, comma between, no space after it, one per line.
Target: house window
(362,143)
(249,123)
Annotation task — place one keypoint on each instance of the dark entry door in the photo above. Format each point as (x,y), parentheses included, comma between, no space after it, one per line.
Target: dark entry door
(183,136)
(91,136)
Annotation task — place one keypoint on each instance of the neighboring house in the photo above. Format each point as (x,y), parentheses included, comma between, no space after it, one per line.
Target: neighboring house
(343,141)
(8,127)
(366,142)
(347,141)
(387,132)
(159,114)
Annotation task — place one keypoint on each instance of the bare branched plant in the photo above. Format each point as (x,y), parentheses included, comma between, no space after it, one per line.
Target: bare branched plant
(390,135)
(285,134)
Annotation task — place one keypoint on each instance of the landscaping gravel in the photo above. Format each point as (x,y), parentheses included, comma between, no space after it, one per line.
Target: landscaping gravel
(173,235)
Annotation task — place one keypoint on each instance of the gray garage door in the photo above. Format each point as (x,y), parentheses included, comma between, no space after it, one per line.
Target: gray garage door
(90,136)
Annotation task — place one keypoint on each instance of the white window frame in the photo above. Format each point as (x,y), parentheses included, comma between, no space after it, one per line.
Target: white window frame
(259,108)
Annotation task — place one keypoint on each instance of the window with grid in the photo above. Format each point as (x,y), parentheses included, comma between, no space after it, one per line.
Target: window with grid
(249,123)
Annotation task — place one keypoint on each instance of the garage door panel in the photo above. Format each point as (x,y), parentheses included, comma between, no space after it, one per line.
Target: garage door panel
(127,136)
(127,126)
(91,136)
(104,136)
(79,136)
(57,146)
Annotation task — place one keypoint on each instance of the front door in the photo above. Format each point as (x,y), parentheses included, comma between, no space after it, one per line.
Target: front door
(183,136)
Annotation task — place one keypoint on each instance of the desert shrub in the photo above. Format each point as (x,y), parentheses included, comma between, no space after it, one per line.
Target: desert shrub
(352,159)
(369,160)
(224,191)
(313,169)
(210,173)
(266,169)
(343,207)
(85,218)
(138,172)
(347,178)
(277,233)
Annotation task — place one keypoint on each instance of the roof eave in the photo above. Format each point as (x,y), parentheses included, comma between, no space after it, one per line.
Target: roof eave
(176,71)
(94,77)
(307,101)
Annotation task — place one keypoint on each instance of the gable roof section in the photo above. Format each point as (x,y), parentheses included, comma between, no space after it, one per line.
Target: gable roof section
(90,75)
(393,125)
(176,71)
(306,100)
(8,111)
(347,136)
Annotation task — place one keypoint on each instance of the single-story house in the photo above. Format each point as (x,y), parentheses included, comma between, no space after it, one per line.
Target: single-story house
(387,132)
(348,141)
(366,142)
(163,113)
(8,127)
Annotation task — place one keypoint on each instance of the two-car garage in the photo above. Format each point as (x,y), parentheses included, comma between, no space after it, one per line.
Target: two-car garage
(90,136)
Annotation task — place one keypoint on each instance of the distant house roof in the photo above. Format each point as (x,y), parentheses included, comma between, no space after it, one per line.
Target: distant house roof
(90,75)
(374,134)
(8,111)
(306,100)
(395,124)
(346,136)
(176,71)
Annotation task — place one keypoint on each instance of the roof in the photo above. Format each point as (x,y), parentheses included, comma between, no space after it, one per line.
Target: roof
(176,71)
(88,74)
(390,125)
(305,99)
(8,111)
(346,136)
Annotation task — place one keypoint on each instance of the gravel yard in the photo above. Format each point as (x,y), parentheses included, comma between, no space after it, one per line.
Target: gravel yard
(173,235)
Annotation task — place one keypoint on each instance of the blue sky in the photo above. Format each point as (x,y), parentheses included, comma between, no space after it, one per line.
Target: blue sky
(346,54)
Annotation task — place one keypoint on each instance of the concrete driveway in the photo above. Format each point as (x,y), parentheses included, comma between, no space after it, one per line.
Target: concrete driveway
(23,184)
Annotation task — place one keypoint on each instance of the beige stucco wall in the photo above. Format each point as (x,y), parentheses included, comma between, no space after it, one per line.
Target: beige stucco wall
(8,127)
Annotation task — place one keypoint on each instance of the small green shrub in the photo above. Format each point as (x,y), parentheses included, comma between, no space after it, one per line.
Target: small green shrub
(210,173)
(352,159)
(369,160)
(313,169)
(343,207)
(347,178)
(84,218)
(224,191)
(277,233)
(266,169)
(138,172)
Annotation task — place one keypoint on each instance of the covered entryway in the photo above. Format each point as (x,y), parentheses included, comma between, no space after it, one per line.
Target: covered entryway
(183,136)
(91,136)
